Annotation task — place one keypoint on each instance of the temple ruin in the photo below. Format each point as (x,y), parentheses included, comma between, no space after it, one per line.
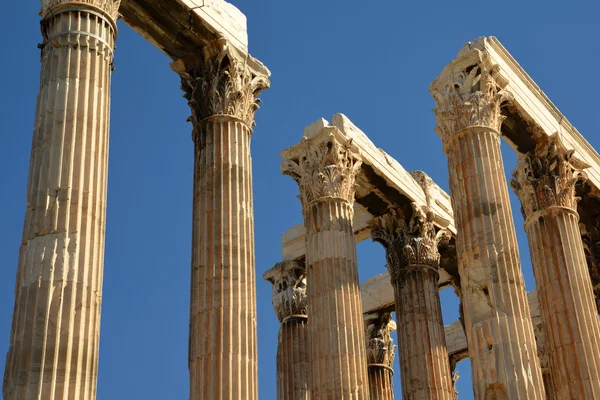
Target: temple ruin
(337,340)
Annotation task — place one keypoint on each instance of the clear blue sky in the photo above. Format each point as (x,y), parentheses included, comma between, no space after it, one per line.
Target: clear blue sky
(372,63)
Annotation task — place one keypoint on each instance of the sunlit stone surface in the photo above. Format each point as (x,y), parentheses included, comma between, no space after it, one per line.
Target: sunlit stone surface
(335,338)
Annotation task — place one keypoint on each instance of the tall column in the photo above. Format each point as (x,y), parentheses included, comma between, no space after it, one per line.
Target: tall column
(221,90)
(56,321)
(497,320)
(413,262)
(380,355)
(289,299)
(545,182)
(325,168)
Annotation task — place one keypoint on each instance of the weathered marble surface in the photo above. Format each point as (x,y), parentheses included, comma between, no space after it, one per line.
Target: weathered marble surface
(325,166)
(221,89)
(545,181)
(290,302)
(496,314)
(55,333)
(411,242)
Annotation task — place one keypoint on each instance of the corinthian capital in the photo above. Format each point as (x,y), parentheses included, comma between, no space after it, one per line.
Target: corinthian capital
(324,166)
(546,177)
(380,345)
(410,240)
(109,7)
(289,289)
(468,97)
(223,81)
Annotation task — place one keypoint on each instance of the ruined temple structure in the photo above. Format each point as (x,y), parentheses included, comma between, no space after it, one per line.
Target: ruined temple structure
(544,344)
(336,338)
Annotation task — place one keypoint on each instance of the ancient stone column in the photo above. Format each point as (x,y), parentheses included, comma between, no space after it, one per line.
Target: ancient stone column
(289,299)
(413,262)
(545,182)
(325,168)
(56,321)
(380,355)
(496,313)
(221,89)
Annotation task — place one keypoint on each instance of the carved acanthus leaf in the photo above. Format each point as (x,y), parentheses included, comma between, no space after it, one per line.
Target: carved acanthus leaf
(467,99)
(391,230)
(380,345)
(327,169)
(223,85)
(409,242)
(546,177)
(289,289)
(110,7)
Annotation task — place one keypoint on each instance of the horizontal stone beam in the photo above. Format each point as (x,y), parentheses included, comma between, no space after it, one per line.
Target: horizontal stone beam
(379,174)
(180,28)
(390,174)
(222,17)
(534,110)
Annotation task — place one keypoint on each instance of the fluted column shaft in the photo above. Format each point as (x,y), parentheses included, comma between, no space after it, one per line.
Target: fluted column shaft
(545,182)
(424,366)
(56,322)
(221,91)
(380,382)
(497,319)
(325,167)
(289,300)
(293,362)
(413,262)
(567,303)
(223,362)
(339,367)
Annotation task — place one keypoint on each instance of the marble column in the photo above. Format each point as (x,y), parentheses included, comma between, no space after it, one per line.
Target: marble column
(325,168)
(56,321)
(496,313)
(289,300)
(545,182)
(221,89)
(411,244)
(380,355)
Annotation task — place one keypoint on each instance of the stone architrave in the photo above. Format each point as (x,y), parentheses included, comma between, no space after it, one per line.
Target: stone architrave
(325,168)
(55,333)
(413,262)
(289,300)
(496,313)
(380,355)
(221,88)
(545,182)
